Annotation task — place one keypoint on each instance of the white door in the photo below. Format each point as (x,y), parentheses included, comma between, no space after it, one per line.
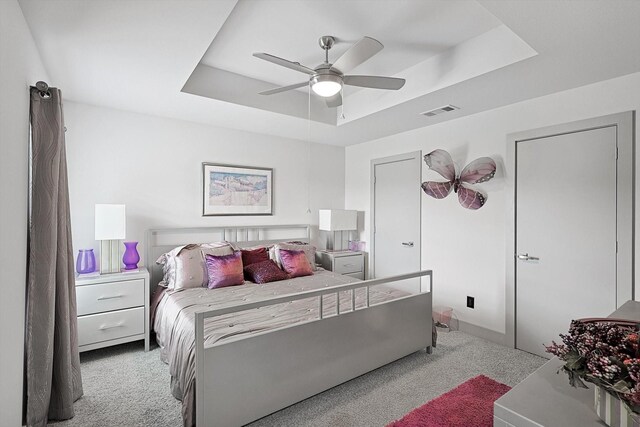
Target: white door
(396,217)
(565,233)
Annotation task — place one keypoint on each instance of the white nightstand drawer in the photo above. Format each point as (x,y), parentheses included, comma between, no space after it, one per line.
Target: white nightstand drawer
(348,264)
(109,326)
(109,296)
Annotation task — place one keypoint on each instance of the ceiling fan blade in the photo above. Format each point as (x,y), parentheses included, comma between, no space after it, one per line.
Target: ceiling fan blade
(334,101)
(284,88)
(364,49)
(283,62)
(375,82)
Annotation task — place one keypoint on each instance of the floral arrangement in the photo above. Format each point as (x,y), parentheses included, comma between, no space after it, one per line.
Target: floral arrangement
(603,352)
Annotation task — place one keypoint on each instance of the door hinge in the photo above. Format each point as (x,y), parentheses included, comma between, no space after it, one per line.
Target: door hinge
(616,246)
(616,152)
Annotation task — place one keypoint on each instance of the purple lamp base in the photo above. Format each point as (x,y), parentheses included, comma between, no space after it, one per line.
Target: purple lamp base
(131,257)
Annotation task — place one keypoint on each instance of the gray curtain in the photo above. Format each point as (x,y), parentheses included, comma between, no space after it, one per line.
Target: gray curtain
(52,362)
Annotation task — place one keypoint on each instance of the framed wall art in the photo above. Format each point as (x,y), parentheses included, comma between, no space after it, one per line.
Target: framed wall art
(236,190)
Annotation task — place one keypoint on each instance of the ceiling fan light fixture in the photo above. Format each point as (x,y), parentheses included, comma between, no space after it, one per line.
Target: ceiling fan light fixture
(326,85)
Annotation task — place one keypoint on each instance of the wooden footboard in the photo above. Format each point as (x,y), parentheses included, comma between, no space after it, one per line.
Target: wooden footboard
(247,378)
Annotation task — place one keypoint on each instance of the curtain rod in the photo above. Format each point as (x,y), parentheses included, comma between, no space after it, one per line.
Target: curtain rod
(43,88)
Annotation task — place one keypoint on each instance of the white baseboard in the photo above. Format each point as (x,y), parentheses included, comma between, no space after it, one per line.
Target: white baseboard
(480,332)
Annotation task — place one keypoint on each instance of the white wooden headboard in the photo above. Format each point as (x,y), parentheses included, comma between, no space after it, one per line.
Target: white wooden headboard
(160,241)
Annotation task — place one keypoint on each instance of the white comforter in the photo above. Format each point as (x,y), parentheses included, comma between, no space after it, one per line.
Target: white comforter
(175,330)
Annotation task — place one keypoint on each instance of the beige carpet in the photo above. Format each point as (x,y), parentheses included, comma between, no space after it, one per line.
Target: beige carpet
(124,386)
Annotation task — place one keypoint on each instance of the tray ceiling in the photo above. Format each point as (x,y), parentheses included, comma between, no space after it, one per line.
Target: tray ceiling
(191,59)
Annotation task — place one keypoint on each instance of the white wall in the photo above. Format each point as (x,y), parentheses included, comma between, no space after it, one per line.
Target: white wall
(20,66)
(466,249)
(154,166)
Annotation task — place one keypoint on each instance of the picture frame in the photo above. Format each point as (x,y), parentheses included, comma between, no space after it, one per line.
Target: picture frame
(236,190)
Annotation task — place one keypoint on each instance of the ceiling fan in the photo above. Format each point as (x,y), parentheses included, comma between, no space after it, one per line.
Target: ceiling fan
(326,79)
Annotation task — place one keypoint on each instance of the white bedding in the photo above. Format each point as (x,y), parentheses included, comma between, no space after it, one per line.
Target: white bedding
(174,319)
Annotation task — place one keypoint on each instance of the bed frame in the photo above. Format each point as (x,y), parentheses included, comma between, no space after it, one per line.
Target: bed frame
(242,379)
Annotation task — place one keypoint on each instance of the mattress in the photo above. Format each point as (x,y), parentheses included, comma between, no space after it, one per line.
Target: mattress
(175,330)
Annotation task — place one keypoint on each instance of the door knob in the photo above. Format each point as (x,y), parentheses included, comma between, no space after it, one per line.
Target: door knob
(527,257)
(407,244)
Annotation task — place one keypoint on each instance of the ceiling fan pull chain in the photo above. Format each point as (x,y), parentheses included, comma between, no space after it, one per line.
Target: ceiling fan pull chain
(342,105)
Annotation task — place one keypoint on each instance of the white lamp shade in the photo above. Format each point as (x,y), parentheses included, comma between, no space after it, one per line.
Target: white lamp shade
(110,222)
(338,220)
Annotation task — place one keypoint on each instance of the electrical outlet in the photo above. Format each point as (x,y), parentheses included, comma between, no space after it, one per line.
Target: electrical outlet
(471,302)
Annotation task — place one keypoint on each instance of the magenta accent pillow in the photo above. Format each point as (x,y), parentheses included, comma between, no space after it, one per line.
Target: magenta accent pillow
(295,263)
(264,272)
(224,270)
(252,256)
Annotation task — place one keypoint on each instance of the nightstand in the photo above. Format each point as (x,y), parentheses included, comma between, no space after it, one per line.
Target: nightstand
(348,263)
(112,309)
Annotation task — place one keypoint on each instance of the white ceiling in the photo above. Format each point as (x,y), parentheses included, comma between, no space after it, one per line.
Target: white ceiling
(138,58)
(424,44)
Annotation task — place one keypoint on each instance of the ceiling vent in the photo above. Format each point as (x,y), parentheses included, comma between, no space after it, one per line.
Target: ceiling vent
(441,110)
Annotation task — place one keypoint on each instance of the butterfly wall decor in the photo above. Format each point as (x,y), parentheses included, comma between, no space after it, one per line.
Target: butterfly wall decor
(479,170)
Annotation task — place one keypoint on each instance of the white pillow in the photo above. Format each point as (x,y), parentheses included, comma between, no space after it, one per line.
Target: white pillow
(184,266)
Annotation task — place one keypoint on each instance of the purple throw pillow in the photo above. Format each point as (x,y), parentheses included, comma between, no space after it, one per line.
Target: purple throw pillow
(264,272)
(225,270)
(295,263)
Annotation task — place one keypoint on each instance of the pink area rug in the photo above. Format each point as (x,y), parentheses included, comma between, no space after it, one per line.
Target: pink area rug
(469,404)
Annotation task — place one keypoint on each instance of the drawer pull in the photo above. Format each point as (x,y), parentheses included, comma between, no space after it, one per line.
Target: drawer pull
(104,327)
(349,265)
(113,297)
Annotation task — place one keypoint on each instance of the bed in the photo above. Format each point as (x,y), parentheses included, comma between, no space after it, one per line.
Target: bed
(239,353)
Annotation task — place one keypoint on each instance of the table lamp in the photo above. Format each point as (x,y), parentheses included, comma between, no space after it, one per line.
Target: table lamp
(333,220)
(110,230)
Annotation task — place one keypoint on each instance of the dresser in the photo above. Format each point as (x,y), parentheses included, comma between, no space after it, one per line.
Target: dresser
(112,309)
(545,398)
(349,263)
